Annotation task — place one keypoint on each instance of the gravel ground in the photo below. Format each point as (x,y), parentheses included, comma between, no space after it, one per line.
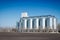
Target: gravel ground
(29,36)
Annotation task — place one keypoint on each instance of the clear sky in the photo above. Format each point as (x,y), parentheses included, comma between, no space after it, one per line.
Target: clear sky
(10,10)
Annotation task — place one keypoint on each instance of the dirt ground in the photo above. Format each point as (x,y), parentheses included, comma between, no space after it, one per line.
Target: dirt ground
(29,36)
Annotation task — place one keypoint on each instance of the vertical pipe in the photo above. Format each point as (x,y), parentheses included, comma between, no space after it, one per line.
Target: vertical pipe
(51,23)
(25,22)
(55,25)
(43,24)
(31,23)
(37,25)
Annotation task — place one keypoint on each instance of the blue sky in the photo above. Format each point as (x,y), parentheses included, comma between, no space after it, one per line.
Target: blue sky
(10,10)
